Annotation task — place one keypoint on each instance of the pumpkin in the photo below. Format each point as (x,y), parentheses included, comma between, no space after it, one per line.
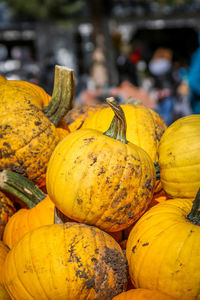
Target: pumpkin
(163,249)
(101,179)
(7,209)
(142,294)
(28,134)
(3,294)
(39,211)
(3,253)
(65,261)
(77,115)
(179,157)
(144,126)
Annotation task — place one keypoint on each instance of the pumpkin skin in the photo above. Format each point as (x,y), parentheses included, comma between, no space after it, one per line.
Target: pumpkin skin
(179,157)
(165,237)
(27,136)
(77,115)
(144,126)
(142,294)
(25,220)
(7,209)
(83,263)
(97,180)
(3,294)
(3,253)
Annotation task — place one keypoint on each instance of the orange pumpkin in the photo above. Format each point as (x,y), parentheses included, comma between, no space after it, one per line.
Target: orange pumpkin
(70,261)
(3,253)
(40,212)
(7,209)
(142,294)
(28,131)
(101,179)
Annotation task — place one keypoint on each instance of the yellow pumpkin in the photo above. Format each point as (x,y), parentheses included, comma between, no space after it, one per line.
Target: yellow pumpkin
(179,157)
(163,249)
(71,261)
(144,126)
(142,294)
(3,253)
(39,211)
(101,179)
(7,209)
(28,133)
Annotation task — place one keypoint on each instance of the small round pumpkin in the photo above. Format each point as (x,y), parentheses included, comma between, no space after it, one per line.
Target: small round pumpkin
(163,249)
(39,211)
(179,158)
(7,209)
(70,261)
(3,253)
(28,133)
(142,294)
(101,179)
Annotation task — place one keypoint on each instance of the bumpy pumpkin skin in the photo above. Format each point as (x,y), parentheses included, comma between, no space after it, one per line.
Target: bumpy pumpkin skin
(7,209)
(179,157)
(144,126)
(100,181)
(71,261)
(163,251)
(28,139)
(26,220)
(3,253)
(142,294)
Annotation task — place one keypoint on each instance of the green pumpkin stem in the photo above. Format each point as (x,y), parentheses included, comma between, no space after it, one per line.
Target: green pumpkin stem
(117,129)
(156,165)
(194,215)
(21,187)
(63,94)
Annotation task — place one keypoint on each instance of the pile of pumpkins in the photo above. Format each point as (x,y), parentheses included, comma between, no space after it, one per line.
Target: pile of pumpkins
(96,203)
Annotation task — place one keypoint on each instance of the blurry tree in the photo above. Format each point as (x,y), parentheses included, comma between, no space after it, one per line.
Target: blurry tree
(45,9)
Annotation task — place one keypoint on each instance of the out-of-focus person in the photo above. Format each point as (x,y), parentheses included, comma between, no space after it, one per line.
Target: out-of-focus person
(194,80)
(165,83)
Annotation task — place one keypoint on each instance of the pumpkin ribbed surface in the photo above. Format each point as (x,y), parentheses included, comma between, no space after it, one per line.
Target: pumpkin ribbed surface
(7,209)
(163,251)
(3,294)
(3,253)
(144,126)
(26,220)
(100,181)
(179,157)
(71,261)
(142,294)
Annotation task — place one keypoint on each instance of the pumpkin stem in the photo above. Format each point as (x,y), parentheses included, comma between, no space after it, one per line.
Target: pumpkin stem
(194,215)
(156,165)
(21,187)
(63,94)
(117,129)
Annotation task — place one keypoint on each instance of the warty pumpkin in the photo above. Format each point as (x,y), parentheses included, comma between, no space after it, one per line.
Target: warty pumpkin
(71,261)
(142,294)
(3,253)
(7,209)
(179,157)
(28,134)
(101,179)
(39,211)
(163,249)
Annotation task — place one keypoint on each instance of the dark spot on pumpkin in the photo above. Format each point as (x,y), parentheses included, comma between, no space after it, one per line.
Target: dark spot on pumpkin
(7,145)
(146,244)
(18,169)
(133,249)
(37,123)
(96,251)
(117,187)
(94,161)
(102,171)
(130,215)
(88,140)
(147,184)
(79,201)
(93,259)
(90,283)
(81,274)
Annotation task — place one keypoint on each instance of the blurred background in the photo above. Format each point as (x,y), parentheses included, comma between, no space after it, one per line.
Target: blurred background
(126,48)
